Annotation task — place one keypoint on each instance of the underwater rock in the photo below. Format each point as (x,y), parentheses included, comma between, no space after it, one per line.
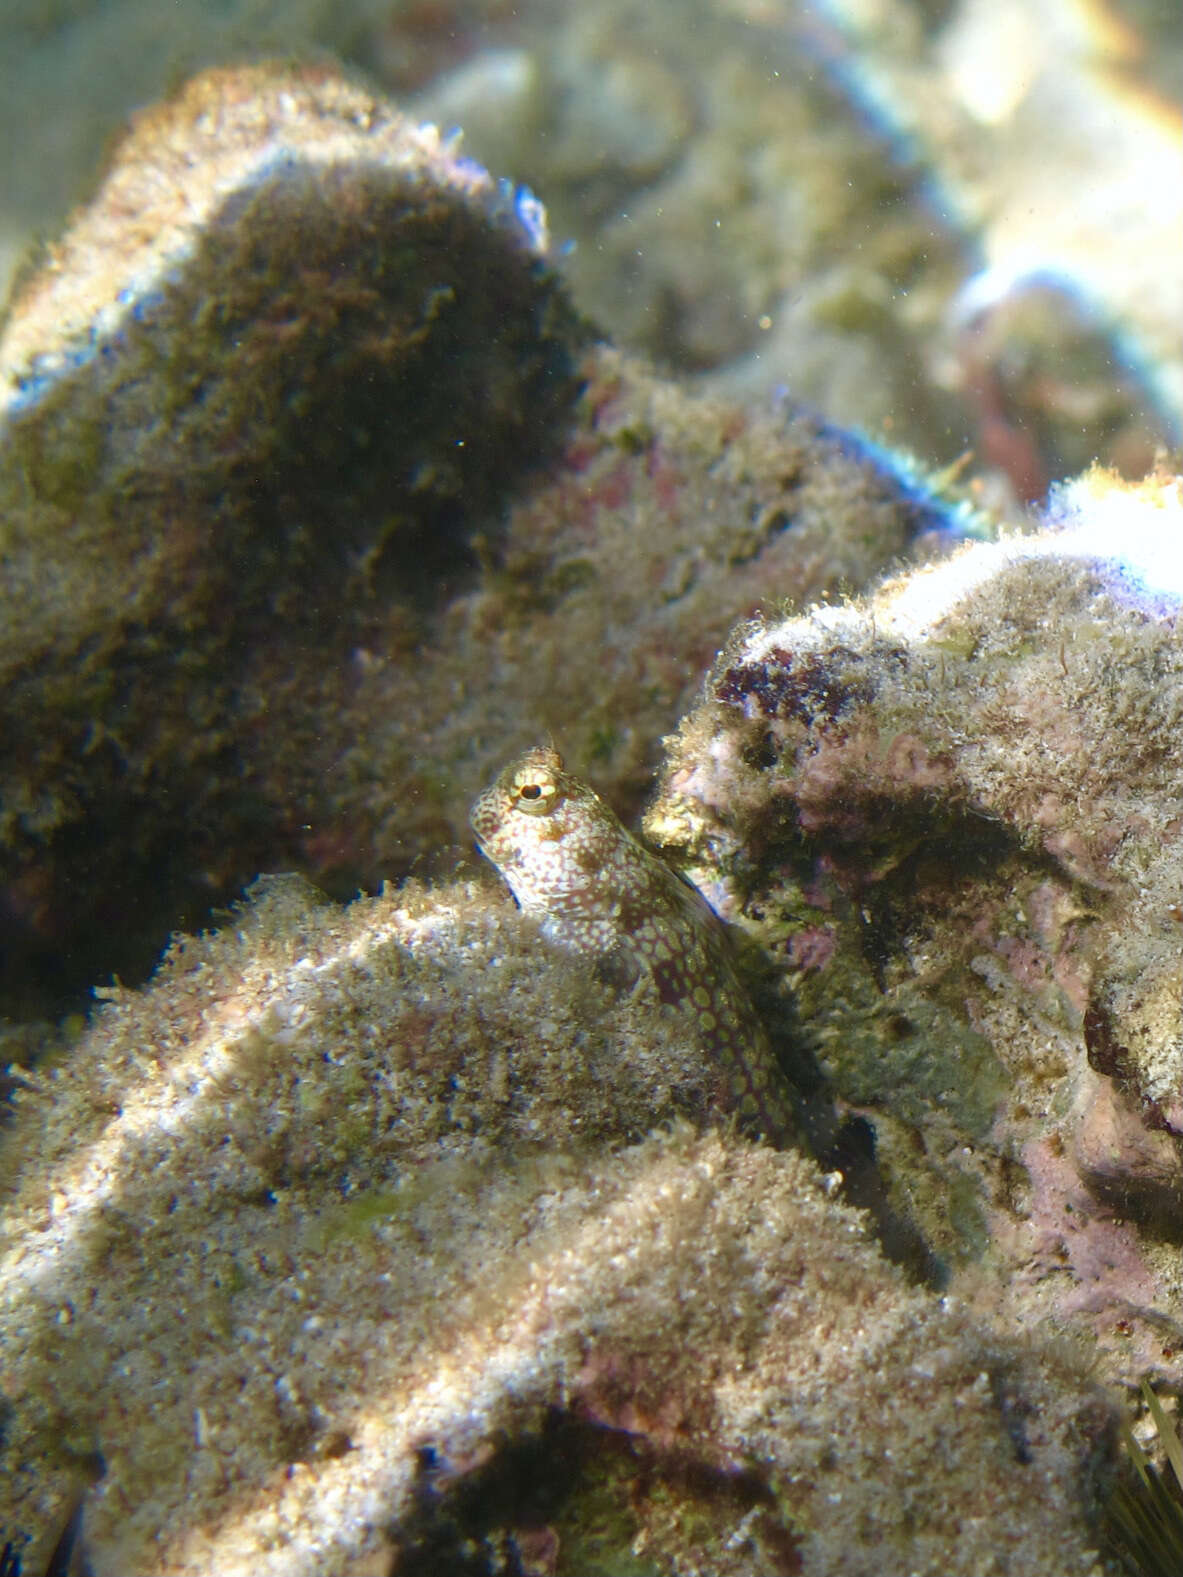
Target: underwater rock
(297,349)
(808,198)
(1050,385)
(737,207)
(308,525)
(1095,212)
(337,1241)
(785,195)
(950,814)
(604,597)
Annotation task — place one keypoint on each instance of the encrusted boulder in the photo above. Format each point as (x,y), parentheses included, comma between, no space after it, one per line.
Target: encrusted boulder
(341,1244)
(950,813)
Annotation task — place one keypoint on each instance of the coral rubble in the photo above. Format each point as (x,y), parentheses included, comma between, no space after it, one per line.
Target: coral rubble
(777,193)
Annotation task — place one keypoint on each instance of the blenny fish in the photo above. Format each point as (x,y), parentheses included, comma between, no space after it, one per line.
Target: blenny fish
(597,891)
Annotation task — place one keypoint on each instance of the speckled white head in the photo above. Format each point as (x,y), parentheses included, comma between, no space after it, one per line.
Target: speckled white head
(557,845)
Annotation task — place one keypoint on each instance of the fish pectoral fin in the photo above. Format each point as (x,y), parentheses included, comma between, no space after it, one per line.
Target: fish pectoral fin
(619,968)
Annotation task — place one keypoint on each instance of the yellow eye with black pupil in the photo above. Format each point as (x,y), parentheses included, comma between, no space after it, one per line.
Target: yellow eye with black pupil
(536,796)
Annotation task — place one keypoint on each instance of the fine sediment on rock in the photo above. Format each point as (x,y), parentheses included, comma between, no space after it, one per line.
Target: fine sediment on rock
(344,1230)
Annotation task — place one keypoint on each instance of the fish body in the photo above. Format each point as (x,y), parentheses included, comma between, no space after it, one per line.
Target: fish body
(597,891)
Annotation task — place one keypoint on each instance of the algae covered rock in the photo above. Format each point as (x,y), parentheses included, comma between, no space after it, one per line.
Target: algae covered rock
(316,501)
(342,1242)
(950,813)
(605,595)
(289,353)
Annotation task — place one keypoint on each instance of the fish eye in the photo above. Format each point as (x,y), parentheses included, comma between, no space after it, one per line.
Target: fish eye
(536,792)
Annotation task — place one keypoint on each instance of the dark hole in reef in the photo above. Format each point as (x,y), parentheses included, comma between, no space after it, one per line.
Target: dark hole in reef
(1015,1409)
(899,1026)
(841,1143)
(879,937)
(761,753)
(579,1492)
(1105,1052)
(851,1151)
